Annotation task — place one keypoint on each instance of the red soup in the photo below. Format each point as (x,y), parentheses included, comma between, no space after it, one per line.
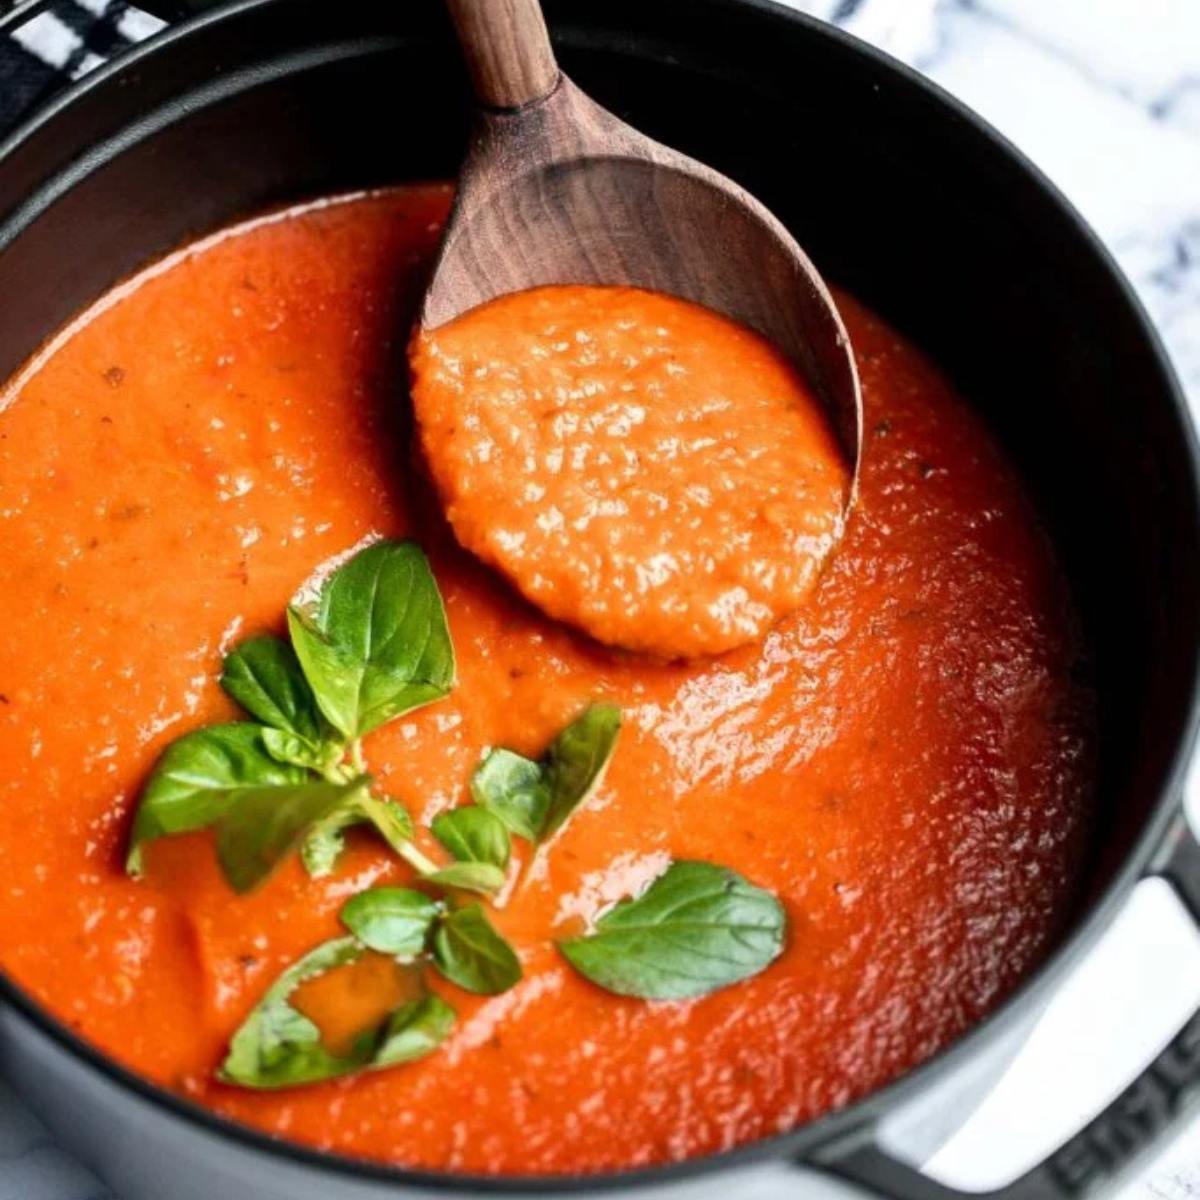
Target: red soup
(902,761)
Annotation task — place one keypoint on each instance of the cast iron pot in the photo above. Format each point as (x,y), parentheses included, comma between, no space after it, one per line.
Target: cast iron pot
(899,194)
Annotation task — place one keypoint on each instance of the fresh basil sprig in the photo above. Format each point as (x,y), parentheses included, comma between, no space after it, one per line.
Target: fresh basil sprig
(468,876)
(535,799)
(696,928)
(199,776)
(479,842)
(468,951)
(263,825)
(263,675)
(473,835)
(278,1046)
(392,920)
(376,643)
(325,842)
(531,799)
(514,788)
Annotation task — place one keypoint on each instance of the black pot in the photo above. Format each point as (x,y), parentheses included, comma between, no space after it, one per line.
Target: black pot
(899,194)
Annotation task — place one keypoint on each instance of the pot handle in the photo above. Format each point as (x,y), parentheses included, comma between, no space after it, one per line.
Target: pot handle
(1147,1111)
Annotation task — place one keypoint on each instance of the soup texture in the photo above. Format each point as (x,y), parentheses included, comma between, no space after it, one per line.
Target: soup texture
(637,465)
(903,761)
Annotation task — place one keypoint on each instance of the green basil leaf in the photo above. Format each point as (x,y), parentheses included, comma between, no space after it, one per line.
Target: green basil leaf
(514,788)
(486,878)
(288,748)
(278,1046)
(468,951)
(390,819)
(333,675)
(263,675)
(392,920)
(263,825)
(577,760)
(535,799)
(414,1030)
(696,928)
(198,777)
(473,834)
(324,843)
(377,644)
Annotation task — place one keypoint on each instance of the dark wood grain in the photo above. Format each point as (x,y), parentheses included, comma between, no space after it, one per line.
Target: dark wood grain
(507,50)
(561,191)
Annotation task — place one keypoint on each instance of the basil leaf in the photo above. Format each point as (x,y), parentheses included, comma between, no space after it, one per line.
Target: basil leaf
(414,1030)
(577,760)
(324,843)
(473,834)
(333,675)
(391,920)
(278,1046)
(288,748)
(472,877)
(536,799)
(390,819)
(514,788)
(469,952)
(377,645)
(263,825)
(263,675)
(198,777)
(696,928)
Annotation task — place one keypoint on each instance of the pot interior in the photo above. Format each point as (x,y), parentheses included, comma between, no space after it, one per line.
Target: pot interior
(896,195)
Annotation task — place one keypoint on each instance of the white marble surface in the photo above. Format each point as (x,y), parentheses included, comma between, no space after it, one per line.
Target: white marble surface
(1105,96)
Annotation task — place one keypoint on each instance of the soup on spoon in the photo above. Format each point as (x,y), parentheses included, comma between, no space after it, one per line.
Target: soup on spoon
(634,392)
(639,466)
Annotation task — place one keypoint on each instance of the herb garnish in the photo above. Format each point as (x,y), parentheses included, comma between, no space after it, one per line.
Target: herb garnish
(473,834)
(696,928)
(199,776)
(469,952)
(392,920)
(263,825)
(374,645)
(264,676)
(278,1046)
(535,799)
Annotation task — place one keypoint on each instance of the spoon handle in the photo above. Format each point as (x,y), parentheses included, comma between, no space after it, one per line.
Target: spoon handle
(507,50)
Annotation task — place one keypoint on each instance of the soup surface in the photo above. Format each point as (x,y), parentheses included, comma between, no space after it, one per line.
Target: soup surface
(904,760)
(637,465)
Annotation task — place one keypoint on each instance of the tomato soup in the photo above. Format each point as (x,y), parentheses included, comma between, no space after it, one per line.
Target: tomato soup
(637,465)
(903,761)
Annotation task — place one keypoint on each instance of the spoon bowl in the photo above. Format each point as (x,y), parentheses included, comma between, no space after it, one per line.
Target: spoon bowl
(556,190)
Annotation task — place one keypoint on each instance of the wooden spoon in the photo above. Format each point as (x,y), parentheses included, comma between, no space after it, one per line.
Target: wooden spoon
(555,189)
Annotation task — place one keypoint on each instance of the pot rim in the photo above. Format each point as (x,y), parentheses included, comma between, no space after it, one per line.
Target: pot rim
(1024,1001)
